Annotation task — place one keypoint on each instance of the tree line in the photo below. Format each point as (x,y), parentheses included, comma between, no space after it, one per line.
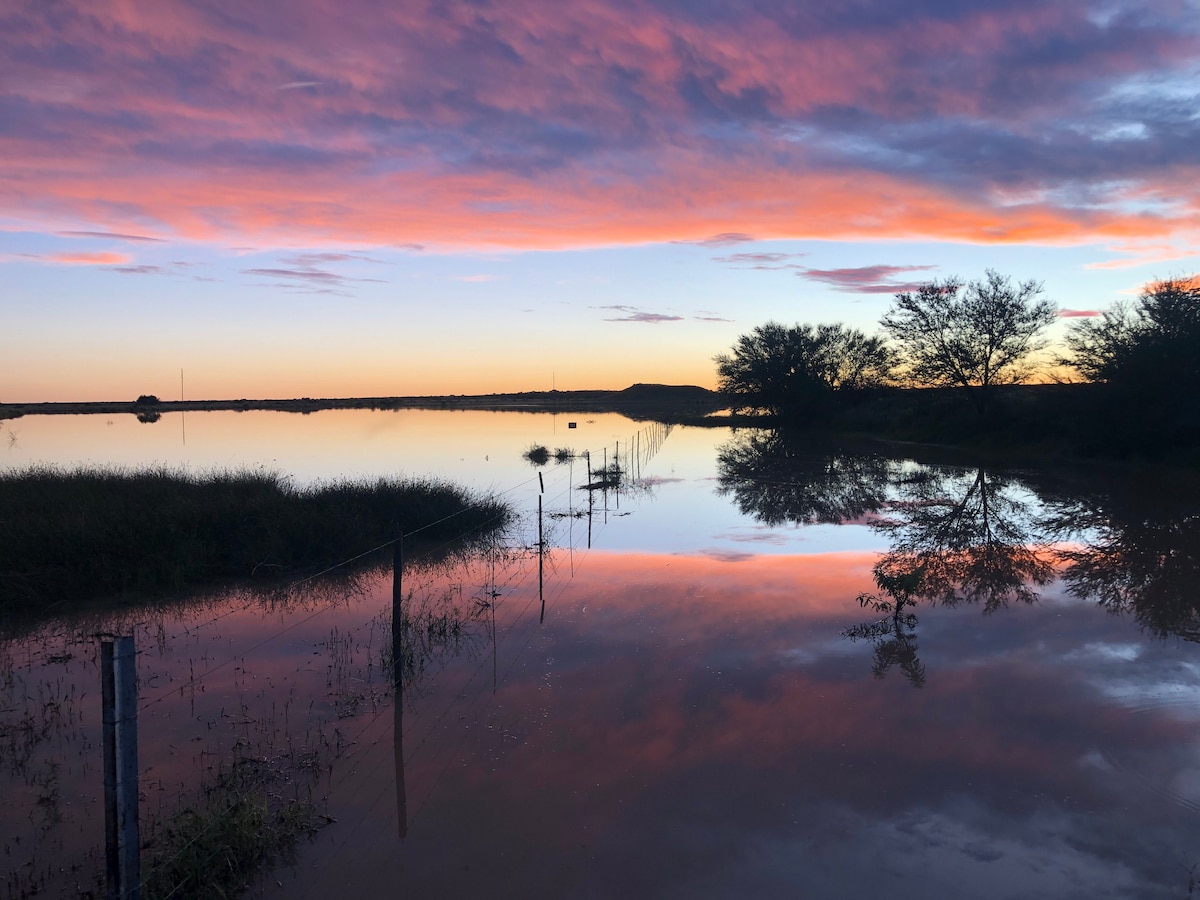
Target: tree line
(977,336)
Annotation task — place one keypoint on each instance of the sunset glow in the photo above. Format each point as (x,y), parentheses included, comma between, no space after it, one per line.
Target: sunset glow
(338,199)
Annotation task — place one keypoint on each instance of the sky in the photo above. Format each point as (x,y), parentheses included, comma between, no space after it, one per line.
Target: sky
(310,198)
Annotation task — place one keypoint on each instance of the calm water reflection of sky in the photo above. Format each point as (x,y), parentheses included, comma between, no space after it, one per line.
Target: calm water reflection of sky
(689,720)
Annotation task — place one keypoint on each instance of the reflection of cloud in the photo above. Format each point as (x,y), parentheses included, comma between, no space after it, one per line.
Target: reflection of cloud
(728,556)
(762,536)
(866,279)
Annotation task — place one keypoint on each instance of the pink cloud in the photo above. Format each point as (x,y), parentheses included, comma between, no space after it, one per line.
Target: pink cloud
(534,124)
(1078,313)
(88,259)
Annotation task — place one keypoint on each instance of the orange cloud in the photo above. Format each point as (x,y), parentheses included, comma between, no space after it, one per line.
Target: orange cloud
(88,259)
(531,125)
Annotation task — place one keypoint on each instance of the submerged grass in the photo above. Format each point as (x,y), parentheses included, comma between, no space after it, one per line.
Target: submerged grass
(537,454)
(214,849)
(540,454)
(68,537)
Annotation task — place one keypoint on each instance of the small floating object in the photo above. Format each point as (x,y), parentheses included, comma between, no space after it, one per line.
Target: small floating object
(570,424)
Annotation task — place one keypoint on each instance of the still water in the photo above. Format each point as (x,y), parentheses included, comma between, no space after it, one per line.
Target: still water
(758,667)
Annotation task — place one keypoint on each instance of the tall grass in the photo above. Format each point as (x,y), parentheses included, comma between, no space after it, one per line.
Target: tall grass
(74,536)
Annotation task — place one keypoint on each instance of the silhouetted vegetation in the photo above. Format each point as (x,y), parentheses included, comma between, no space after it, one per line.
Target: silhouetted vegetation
(69,537)
(975,536)
(537,454)
(1146,356)
(1135,550)
(954,347)
(974,335)
(780,477)
(894,636)
(540,454)
(965,538)
(797,370)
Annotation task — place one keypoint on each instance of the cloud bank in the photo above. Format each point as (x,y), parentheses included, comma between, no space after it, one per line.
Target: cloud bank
(536,124)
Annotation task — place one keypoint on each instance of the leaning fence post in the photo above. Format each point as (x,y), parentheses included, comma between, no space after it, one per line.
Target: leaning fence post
(118,692)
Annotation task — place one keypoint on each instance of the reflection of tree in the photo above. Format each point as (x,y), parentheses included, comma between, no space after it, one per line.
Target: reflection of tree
(965,539)
(778,477)
(1138,558)
(895,634)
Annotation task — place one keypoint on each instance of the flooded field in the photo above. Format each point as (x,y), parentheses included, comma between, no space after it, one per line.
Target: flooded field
(749,666)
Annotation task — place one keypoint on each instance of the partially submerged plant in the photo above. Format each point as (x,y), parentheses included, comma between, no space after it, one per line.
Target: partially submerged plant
(213,849)
(537,454)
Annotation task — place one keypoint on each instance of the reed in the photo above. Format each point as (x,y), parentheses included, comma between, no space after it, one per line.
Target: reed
(69,537)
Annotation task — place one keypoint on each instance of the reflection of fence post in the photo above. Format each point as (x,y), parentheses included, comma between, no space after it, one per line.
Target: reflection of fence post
(397,610)
(398,681)
(118,693)
(541,559)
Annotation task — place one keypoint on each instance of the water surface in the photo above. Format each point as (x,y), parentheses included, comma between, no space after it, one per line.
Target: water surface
(762,668)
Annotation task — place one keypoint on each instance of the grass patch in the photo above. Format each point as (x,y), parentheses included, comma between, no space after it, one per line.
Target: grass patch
(537,454)
(212,850)
(69,537)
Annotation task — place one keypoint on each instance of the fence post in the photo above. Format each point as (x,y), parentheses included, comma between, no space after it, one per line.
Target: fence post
(118,692)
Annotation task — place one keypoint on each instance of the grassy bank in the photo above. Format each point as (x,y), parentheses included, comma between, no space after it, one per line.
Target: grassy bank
(68,538)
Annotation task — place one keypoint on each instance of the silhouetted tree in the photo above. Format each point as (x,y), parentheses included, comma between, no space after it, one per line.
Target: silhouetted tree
(1148,357)
(798,369)
(1165,320)
(780,478)
(972,335)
